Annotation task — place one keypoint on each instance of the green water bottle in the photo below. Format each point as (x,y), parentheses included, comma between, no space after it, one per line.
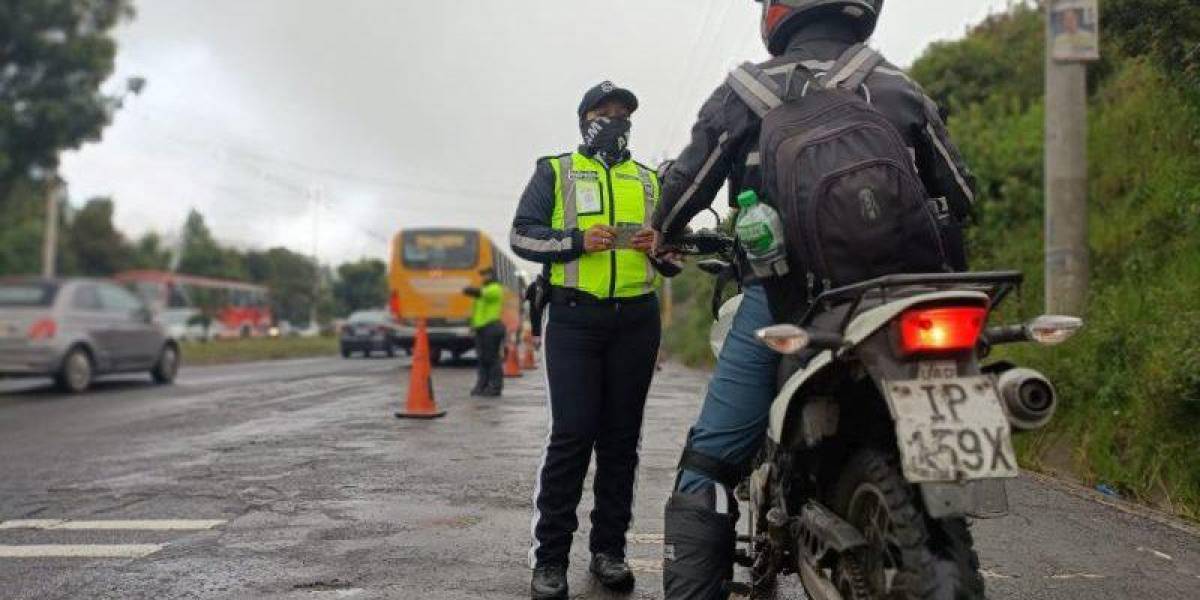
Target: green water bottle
(760,232)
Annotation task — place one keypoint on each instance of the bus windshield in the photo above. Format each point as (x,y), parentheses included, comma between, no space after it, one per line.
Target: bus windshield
(440,249)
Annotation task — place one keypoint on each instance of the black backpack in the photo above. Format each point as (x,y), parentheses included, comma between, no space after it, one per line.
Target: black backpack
(842,178)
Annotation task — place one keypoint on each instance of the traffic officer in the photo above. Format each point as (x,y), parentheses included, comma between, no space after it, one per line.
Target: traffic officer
(489,333)
(585,216)
(699,518)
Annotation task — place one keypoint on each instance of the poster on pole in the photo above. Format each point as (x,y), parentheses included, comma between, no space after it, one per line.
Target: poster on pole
(1075,30)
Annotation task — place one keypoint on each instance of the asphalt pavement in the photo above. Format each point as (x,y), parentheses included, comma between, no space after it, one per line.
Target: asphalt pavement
(292,479)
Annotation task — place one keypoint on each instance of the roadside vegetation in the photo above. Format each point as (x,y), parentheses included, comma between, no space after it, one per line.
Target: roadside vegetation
(1130,416)
(219,352)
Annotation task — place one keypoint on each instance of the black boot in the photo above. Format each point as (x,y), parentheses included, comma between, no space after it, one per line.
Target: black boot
(612,572)
(549,582)
(698,546)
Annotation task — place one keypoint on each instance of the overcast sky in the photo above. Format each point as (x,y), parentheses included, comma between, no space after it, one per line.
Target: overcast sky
(399,113)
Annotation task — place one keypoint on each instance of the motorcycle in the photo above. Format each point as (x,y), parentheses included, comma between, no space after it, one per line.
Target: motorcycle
(888,432)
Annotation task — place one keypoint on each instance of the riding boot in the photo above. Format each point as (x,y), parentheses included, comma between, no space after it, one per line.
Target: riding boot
(699,544)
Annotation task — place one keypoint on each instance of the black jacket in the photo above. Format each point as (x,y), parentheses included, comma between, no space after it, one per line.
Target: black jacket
(534,238)
(724,141)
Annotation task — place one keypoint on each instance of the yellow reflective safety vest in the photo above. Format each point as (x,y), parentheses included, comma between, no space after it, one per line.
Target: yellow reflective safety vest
(586,193)
(489,306)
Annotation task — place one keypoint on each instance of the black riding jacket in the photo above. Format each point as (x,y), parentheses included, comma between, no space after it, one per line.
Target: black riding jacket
(725,137)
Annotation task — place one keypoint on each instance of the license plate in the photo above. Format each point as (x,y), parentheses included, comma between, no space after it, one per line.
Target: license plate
(951,429)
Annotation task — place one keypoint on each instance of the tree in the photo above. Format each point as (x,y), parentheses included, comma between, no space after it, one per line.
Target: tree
(289,277)
(54,55)
(1166,30)
(202,255)
(1001,57)
(21,226)
(361,285)
(149,253)
(97,248)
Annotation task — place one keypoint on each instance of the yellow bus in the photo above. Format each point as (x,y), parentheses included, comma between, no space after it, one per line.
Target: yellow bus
(428,270)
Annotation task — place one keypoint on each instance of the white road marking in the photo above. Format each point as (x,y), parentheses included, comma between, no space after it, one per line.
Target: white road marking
(30,523)
(1076,576)
(80,550)
(1162,555)
(645,538)
(644,565)
(114,524)
(990,574)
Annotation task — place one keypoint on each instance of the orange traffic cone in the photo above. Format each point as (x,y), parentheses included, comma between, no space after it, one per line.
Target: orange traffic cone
(528,360)
(420,403)
(512,368)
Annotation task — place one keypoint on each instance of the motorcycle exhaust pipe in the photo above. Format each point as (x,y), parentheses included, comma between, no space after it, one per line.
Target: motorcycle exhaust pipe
(1029,398)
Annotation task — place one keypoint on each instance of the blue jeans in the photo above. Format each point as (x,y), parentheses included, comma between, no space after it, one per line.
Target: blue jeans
(738,403)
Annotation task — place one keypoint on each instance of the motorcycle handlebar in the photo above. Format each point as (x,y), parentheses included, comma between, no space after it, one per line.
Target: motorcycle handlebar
(699,244)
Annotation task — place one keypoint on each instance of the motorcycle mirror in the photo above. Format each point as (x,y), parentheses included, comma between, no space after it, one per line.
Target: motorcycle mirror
(1050,330)
(784,339)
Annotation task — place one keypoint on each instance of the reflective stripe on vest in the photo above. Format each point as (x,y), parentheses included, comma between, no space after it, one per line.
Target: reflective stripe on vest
(584,196)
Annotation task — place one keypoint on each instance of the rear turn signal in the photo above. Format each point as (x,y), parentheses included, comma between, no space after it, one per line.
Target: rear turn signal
(941,329)
(1051,330)
(43,329)
(784,339)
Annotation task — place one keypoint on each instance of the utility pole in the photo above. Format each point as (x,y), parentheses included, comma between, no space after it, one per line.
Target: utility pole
(1072,28)
(50,238)
(317,197)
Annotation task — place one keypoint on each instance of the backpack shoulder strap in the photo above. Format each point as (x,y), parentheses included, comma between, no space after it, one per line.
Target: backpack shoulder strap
(852,68)
(755,88)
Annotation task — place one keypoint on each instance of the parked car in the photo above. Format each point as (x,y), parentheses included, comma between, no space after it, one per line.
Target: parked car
(75,329)
(370,331)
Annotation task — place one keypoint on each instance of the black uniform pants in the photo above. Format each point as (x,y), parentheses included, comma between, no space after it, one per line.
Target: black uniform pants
(490,376)
(599,362)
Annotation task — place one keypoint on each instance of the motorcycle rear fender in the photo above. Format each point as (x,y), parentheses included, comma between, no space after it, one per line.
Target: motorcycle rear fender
(860,329)
(981,498)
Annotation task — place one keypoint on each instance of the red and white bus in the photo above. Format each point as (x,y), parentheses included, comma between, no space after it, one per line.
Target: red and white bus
(238,309)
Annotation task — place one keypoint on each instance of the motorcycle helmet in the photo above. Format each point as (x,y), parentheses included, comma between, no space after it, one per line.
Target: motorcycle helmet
(781,18)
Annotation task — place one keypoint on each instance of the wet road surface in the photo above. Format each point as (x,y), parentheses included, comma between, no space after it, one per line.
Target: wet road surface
(293,480)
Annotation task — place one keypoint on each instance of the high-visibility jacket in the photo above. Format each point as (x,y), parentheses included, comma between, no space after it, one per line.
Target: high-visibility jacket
(586,192)
(488,306)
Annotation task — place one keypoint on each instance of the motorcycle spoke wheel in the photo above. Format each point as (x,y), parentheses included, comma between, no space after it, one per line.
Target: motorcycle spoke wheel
(851,580)
(882,559)
(907,556)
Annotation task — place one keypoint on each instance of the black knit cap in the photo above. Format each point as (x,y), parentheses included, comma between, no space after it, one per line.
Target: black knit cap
(603,91)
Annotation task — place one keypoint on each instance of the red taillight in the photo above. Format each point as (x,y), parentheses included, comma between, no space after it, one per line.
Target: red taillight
(394,304)
(43,329)
(941,329)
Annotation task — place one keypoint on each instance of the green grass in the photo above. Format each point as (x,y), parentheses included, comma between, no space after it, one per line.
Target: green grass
(255,349)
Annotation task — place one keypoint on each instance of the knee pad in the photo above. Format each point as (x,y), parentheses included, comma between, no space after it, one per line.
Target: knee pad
(698,545)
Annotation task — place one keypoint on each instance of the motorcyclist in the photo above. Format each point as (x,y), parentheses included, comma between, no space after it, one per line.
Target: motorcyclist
(701,514)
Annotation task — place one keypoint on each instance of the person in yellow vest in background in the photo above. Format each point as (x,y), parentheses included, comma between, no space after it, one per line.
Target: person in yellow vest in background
(585,217)
(489,334)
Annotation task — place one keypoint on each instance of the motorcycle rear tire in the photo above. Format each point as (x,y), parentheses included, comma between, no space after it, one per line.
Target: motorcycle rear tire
(936,560)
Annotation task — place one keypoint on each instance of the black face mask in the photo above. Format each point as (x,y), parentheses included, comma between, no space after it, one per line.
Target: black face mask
(605,137)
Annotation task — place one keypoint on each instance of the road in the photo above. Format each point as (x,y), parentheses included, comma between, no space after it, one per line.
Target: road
(293,480)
